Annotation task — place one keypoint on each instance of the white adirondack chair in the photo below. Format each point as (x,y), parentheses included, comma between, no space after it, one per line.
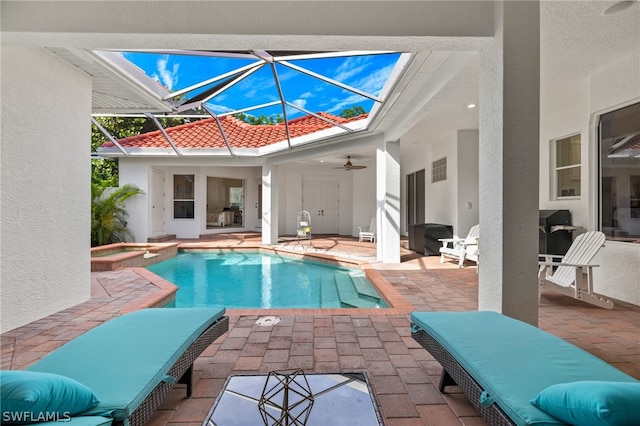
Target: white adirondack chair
(573,276)
(368,233)
(461,248)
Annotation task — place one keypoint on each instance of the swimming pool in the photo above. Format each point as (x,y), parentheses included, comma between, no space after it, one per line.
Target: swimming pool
(261,280)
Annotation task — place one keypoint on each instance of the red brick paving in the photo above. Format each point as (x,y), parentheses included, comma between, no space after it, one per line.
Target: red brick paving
(403,375)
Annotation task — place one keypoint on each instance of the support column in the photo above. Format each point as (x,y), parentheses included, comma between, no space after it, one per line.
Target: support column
(509,162)
(388,202)
(269,204)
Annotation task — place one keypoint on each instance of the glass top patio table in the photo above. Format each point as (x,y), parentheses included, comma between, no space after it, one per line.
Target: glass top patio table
(338,399)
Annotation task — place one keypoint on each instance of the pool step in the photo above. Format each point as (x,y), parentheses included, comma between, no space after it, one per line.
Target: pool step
(328,292)
(363,287)
(349,295)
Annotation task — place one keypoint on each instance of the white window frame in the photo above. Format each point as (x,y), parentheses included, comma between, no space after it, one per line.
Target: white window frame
(178,198)
(554,168)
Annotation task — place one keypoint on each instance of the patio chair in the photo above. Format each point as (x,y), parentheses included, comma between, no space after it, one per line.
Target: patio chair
(572,275)
(368,233)
(461,248)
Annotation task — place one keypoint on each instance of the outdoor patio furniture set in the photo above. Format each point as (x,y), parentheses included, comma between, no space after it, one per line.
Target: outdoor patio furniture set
(512,372)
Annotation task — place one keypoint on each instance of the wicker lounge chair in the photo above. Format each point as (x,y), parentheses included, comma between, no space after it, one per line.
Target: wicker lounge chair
(132,362)
(502,365)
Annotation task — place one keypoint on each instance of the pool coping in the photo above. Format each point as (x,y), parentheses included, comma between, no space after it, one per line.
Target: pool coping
(114,256)
(398,305)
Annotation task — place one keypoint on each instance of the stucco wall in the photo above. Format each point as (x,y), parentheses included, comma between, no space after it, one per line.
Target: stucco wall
(138,171)
(290,179)
(564,112)
(446,201)
(571,109)
(45,193)
(468,184)
(442,196)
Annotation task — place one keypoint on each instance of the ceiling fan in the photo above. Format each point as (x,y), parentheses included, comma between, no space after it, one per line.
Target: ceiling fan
(349,166)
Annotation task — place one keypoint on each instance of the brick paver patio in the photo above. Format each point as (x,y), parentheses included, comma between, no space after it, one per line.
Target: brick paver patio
(403,375)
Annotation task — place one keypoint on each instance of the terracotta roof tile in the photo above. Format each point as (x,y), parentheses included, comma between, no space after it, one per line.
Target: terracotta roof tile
(206,134)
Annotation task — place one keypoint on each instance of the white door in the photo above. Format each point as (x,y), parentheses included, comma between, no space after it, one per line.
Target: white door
(321,198)
(157,202)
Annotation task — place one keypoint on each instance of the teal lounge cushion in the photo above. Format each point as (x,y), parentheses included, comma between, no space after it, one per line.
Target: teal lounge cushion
(82,421)
(29,397)
(592,403)
(125,358)
(513,361)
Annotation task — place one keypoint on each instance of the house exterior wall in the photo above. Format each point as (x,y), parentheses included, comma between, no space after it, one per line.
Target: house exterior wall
(364,195)
(568,110)
(446,201)
(45,186)
(468,168)
(138,171)
(290,180)
(441,199)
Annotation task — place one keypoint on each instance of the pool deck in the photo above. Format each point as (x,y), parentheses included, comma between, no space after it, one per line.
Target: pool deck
(403,375)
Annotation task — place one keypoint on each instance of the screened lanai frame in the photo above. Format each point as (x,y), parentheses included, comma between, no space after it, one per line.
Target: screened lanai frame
(199,95)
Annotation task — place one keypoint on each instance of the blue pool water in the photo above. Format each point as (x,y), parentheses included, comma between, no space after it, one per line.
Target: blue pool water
(260,280)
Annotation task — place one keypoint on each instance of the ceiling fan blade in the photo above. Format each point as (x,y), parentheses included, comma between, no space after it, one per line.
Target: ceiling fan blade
(349,166)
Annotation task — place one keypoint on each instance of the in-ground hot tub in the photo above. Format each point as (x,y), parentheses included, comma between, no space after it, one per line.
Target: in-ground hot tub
(130,255)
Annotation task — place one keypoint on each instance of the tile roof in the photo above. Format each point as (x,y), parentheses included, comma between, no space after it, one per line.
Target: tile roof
(206,134)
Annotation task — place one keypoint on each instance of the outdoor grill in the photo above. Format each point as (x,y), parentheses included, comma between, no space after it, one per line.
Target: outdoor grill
(556,231)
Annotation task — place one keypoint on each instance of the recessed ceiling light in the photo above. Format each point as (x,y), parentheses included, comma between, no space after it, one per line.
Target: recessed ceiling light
(470,106)
(618,7)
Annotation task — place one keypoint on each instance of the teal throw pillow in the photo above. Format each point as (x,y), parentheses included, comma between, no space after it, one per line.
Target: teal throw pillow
(592,402)
(30,397)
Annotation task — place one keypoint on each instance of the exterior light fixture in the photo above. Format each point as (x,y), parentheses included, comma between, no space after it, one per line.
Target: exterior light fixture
(471,106)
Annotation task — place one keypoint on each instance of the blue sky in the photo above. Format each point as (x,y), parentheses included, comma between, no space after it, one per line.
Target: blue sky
(367,73)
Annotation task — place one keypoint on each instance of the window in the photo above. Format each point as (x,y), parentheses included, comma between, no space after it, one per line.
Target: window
(567,167)
(225,202)
(439,170)
(183,198)
(619,177)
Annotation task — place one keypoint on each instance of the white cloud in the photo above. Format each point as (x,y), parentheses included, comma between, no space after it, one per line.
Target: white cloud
(293,112)
(167,78)
(353,65)
(306,95)
(300,102)
(374,82)
(285,74)
(337,105)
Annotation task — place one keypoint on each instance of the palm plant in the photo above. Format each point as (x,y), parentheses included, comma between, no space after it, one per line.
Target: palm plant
(108,215)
